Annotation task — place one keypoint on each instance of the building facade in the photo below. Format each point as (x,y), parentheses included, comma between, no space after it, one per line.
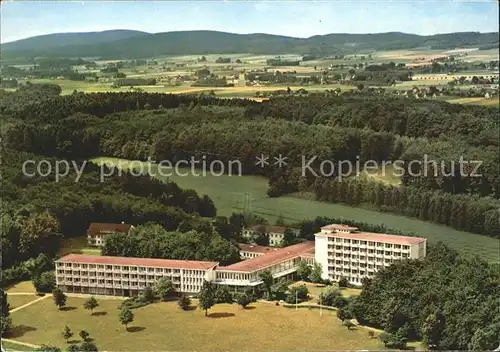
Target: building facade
(97,232)
(121,276)
(275,233)
(343,251)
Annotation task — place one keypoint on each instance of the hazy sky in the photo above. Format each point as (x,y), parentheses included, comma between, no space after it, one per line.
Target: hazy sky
(21,19)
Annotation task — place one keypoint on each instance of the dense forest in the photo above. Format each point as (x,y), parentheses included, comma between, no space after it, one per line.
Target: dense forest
(447,301)
(132,44)
(346,128)
(39,211)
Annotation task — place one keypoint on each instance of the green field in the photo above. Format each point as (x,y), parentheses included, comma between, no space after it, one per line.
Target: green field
(163,326)
(77,245)
(228,194)
(16,301)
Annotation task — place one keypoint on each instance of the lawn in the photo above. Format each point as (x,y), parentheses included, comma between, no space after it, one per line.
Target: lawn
(21,287)
(316,289)
(163,326)
(14,347)
(19,300)
(77,245)
(229,193)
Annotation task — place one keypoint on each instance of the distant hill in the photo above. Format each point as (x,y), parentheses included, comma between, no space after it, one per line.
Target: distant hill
(133,44)
(50,41)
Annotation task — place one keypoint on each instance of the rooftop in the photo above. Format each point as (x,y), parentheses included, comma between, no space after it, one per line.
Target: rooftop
(100,228)
(375,237)
(148,262)
(276,257)
(339,227)
(268,228)
(256,248)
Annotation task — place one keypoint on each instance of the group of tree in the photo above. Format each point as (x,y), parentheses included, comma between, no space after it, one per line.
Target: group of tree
(87,344)
(187,243)
(35,220)
(5,319)
(448,301)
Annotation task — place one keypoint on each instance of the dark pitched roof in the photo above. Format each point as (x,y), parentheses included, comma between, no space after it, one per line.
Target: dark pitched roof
(98,228)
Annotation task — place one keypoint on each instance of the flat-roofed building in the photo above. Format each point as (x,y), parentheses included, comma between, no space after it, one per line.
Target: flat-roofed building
(282,263)
(122,276)
(343,251)
(97,232)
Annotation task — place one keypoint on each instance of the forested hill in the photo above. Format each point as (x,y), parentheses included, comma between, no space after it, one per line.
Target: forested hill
(50,41)
(144,45)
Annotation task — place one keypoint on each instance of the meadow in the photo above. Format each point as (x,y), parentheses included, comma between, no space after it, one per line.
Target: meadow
(229,194)
(163,326)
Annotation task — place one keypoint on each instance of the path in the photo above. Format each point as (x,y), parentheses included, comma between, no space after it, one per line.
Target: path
(20,343)
(21,293)
(28,304)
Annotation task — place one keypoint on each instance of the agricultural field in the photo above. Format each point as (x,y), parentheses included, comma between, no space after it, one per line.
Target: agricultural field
(231,198)
(164,326)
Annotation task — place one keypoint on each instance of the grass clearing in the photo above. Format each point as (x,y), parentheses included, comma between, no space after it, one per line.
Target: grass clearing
(16,301)
(14,347)
(316,289)
(21,287)
(77,245)
(228,194)
(163,326)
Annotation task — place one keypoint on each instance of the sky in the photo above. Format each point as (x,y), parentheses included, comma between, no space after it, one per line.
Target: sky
(22,19)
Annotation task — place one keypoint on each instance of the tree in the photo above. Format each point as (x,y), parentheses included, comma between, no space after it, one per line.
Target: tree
(329,296)
(59,298)
(289,238)
(206,296)
(67,333)
(45,282)
(91,304)
(315,275)
(88,346)
(223,295)
(84,335)
(73,348)
(40,234)
(243,300)
(349,324)
(343,282)
(344,313)
(4,304)
(297,294)
(148,294)
(5,324)
(267,280)
(184,302)
(126,317)
(164,288)
(49,348)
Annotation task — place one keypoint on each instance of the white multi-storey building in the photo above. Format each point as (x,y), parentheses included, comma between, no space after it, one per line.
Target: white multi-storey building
(121,276)
(275,233)
(343,251)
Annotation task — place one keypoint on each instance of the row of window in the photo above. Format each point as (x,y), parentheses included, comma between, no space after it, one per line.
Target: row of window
(130,268)
(370,258)
(369,243)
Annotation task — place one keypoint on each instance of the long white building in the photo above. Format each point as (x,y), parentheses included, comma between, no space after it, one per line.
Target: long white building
(343,251)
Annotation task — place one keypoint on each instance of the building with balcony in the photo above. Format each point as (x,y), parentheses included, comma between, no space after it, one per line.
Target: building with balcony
(282,263)
(121,276)
(97,232)
(343,251)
